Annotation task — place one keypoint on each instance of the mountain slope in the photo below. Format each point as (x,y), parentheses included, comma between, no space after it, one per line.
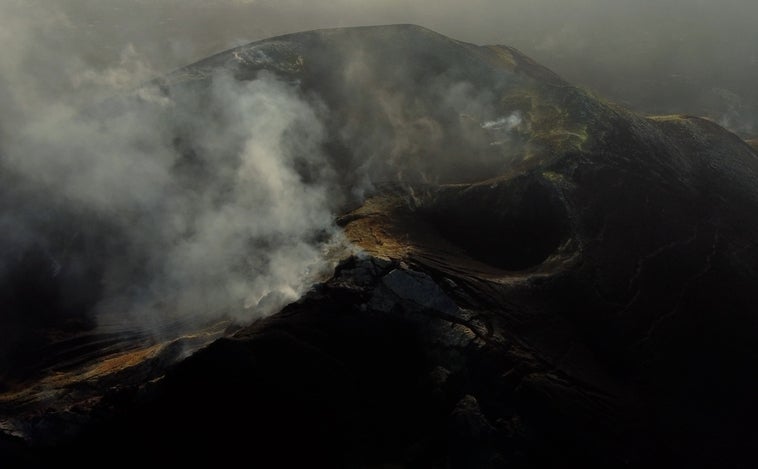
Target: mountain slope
(545,279)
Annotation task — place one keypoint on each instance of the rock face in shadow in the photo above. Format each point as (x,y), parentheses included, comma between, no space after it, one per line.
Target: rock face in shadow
(529,224)
(575,290)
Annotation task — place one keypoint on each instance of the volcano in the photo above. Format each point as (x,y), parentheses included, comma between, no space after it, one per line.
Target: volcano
(542,279)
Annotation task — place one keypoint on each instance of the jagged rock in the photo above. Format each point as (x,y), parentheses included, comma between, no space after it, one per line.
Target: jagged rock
(471,437)
(468,422)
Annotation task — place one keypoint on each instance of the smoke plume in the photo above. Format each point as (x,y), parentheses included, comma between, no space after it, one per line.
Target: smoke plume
(125,207)
(230,226)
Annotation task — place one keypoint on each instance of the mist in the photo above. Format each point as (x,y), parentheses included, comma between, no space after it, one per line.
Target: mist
(124,204)
(657,57)
(108,220)
(124,208)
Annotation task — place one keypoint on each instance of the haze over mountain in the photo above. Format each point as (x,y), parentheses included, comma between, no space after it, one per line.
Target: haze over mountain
(665,56)
(526,274)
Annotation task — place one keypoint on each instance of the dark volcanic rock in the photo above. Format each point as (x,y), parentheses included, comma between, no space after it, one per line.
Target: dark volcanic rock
(365,375)
(576,290)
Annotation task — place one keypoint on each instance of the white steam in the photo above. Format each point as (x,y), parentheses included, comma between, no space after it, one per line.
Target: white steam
(219,224)
(507,123)
(259,241)
(502,127)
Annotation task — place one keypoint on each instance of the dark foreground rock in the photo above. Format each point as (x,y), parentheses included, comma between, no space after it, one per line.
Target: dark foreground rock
(388,366)
(379,366)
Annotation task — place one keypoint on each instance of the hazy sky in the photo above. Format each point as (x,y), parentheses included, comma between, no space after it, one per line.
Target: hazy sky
(696,56)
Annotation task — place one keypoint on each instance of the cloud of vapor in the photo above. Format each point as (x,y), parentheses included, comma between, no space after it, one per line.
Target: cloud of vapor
(502,127)
(663,56)
(228,226)
(145,209)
